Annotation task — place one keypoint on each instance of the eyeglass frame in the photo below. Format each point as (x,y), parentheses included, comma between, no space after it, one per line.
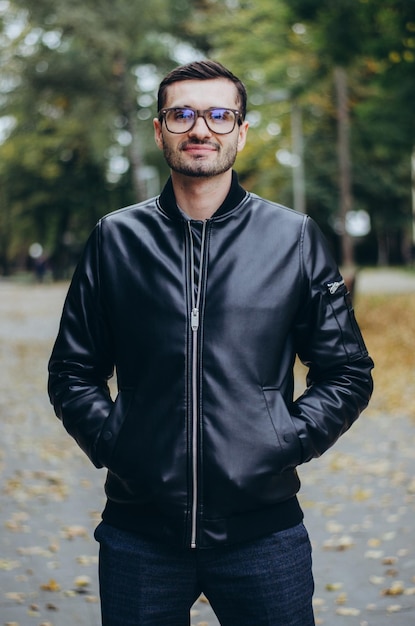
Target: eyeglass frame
(200,113)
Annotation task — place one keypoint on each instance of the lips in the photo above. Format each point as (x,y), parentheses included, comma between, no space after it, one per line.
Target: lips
(199,148)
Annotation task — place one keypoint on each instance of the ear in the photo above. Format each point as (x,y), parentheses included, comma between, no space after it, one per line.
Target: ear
(158,137)
(243,130)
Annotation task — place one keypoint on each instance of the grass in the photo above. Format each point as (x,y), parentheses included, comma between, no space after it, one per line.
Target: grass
(388,326)
(387,323)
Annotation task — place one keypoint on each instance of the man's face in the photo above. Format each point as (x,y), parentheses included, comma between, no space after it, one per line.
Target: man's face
(200,152)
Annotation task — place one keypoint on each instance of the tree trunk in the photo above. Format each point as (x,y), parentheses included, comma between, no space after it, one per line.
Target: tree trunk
(299,195)
(344,161)
(5,234)
(129,110)
(135,155)
(412,254)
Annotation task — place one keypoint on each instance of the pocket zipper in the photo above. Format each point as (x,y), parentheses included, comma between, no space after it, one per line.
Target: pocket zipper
(333,287)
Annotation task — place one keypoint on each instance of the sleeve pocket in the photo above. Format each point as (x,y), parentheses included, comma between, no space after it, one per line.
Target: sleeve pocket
(341,305)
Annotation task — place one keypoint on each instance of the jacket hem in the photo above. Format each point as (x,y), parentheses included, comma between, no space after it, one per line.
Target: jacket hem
(212,533)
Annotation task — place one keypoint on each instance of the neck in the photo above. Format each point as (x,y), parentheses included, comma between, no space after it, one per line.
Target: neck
(200,198)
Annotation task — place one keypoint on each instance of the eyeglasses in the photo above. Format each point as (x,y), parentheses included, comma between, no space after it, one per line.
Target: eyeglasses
(182,119)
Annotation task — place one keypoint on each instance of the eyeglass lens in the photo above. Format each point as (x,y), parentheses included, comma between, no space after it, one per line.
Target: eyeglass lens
(181,120)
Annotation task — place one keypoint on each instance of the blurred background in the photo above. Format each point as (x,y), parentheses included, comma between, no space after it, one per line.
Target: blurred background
(331,106)
(332,133)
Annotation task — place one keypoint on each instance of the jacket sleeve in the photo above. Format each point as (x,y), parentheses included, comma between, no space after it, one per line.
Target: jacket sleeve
(82,359)
(330,344)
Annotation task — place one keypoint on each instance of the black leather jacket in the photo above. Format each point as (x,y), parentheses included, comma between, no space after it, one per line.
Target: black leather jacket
(202,321)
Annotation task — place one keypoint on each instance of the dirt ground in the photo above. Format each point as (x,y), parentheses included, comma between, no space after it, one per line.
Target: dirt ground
(359,498)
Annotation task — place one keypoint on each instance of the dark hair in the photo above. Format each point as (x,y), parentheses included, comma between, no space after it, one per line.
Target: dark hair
(201,70)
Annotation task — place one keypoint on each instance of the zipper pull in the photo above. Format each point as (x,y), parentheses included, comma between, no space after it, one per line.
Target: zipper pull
(333,287)
(195,319)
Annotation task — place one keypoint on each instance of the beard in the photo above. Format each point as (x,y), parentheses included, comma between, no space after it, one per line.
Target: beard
(200,167)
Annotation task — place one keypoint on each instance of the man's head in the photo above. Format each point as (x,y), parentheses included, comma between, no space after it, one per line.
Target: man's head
(202,70)
(200,125)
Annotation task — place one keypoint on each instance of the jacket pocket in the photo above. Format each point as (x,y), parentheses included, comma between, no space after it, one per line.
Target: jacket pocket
(113,425)
(283,425)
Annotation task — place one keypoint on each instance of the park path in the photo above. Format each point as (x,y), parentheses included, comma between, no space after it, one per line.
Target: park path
(359,498)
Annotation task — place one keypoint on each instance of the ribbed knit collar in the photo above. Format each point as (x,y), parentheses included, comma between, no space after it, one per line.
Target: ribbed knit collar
(235,195)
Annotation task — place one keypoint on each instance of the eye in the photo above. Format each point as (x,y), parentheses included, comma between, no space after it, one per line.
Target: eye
(183,115)
(221,115)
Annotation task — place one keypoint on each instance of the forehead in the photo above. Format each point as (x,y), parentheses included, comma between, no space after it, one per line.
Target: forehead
(202,94)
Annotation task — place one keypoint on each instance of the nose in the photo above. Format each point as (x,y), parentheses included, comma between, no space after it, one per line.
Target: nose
(200,129)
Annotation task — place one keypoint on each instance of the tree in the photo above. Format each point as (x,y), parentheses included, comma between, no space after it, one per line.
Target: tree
(339,33)
(362,41)
(341,62)
(386,126)
(77,146)
(259,45)
(77,94)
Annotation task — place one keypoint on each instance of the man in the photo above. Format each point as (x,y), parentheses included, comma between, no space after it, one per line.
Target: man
(201,299)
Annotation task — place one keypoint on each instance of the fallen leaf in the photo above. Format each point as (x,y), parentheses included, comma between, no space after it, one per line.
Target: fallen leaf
(52,585)
(7,565)
(361,495)
(92,599)
(394,608)
(341,599)
(86,560)
(373,543)
(396,589)
(410,591)
(203,598)
(373,554)
(33,550)
(20,598)
(82,581)
(347,611)
(377,580)
(341,543)
(392,572)
(71,532)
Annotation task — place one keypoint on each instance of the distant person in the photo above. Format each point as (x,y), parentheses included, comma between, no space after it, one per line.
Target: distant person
(41,266)
(200,299)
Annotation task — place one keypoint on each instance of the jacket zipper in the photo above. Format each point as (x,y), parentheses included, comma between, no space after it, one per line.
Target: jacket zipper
(194,323)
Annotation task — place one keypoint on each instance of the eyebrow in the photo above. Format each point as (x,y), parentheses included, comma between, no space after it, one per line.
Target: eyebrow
(189,106)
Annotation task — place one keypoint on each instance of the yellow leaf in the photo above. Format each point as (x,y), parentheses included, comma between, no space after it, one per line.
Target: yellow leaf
(396,589)
(334,586)
(52,585)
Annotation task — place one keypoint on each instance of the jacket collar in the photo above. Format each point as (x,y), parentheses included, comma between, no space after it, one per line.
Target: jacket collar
(235,195)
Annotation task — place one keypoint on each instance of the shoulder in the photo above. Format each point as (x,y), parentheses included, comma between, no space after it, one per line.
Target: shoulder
(275,216)
(275,209)
(131,212)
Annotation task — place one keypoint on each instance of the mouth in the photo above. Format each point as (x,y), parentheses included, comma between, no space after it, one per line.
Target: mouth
(199,148)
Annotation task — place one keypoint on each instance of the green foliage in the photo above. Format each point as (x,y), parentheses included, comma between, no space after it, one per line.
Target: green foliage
(77,88)
(71,83)
(341,26)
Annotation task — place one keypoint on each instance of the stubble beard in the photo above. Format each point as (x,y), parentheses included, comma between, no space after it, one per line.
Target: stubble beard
(199,167)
